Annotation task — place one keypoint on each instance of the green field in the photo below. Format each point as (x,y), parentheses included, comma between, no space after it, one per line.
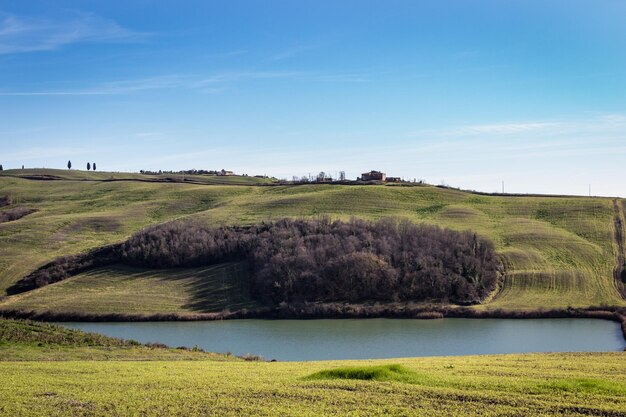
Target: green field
(513,385)
(53,371)
(559,251)
(122,289)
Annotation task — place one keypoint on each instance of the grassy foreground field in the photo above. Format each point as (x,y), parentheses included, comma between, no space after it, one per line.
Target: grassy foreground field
(53,371)
(49,370)
(507,385)
(559,251)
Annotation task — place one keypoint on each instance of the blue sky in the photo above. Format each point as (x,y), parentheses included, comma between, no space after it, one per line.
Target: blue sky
(470,94)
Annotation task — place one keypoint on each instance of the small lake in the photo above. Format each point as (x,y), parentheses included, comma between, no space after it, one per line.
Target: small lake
(300,340)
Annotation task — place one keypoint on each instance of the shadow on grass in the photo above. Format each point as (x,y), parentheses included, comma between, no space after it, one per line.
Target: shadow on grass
(217,288)
(211,289)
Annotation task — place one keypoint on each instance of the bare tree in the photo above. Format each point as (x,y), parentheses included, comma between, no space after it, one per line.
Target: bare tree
(342,175)
(312,260)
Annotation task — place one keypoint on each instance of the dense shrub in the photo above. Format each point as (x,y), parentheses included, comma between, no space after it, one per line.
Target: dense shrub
(15,214)
(311,260)
(185,244)
(322,260)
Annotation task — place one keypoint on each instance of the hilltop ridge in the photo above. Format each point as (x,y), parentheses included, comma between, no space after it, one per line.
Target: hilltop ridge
(558,252)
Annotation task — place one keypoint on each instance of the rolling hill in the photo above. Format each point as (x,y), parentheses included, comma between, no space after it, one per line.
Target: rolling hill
(559,251)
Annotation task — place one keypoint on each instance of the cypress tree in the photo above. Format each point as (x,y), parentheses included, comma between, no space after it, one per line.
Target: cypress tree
(69,164)
(94,166)
(88,166)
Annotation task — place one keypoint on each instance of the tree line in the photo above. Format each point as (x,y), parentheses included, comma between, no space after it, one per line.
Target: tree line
(89,165)
(323,260)
(312,260)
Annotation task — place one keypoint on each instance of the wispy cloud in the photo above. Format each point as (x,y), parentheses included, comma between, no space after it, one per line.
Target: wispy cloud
(504,128)
(485,129)
(147,134)
(50,152)
(24,130)
(293,51)
(119,87)
(227,54)
(579,127)
(319,76)
(28,34)
(214,83)
(613,118)
(235,76)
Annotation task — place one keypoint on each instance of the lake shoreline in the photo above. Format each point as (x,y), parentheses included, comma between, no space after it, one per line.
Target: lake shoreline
(354,339)
(309,311)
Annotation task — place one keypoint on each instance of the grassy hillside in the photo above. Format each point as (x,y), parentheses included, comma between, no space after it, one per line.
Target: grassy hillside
(127,290)
(79,175)
(588,384)
(24,340)
(559,251)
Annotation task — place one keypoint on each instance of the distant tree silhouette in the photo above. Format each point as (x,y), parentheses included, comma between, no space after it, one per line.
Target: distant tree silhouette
(22,166)
(88,166)
(69,164)
(94,166)
(1,169)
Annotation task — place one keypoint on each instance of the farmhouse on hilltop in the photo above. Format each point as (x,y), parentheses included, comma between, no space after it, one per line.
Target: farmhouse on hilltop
(225,173)
(373,176)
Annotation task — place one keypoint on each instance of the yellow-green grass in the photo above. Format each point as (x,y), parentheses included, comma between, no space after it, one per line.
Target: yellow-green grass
(588,384)
(75,216)
(126,290)
(53,371)
(24,340)
(559,251)
(33,353)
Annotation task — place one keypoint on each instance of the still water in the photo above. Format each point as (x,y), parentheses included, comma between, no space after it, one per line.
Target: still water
(294,340)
